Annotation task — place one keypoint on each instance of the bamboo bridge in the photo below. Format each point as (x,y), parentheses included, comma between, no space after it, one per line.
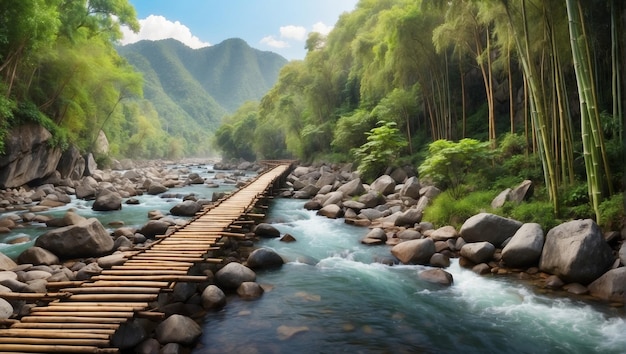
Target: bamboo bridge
(83,316)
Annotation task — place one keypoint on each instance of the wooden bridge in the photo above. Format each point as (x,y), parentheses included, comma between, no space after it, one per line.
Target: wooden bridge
(83,316)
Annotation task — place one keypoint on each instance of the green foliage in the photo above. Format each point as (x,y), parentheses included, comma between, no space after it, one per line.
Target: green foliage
(351,130)
(540,212)
(511,145)
(384,144)
(612,213)
(447,209)
(448,163)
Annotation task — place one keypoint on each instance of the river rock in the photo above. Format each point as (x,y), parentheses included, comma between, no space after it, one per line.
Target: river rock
(263,258)
(443,233)
(107,200)
(28,155)
(439,260)
(436,276)
(500,199)
(411,188)
(489,227)
(478,252)
(129,334)
(352,188)
(233,274)
(266,231)
(409,234)
(622,253)
(409,218)
(6,310)
(178,329)
(384,185)
(156,188)
(87,239)
(375,236)
(88,271)
(153,228)
(71,164)
(87,188)
(249,290)
(610,286)
(576,252)
(213,298)
(37,255)
(332,211)
(6,263)
(521,192)
(524,248)
(332,198)
(431,192)
(111,260)
(371,199)
(186,208)
(414,251)
(70,218)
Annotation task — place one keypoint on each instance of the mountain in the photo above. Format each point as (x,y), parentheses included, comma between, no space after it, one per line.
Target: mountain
(195,88)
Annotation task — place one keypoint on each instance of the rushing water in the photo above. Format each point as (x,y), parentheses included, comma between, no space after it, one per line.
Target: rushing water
(332,296)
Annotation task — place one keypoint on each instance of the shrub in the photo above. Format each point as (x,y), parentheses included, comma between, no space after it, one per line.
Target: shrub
(612,212)
(384,144)
(446,210)
(540,212)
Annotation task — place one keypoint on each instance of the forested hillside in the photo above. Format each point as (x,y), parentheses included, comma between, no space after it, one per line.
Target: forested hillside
(540,81)
(192,89)
(60,68)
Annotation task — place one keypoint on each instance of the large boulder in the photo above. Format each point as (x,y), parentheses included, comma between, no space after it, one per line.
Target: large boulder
(332,211)
(153,228)
(178,329)
(28,156)
(107,200)
(6,263)
(37,256)
(213,298)
(521,192)
(90,165)
(87,239)
(490,228)
(576,252)
(436,276)
(414,251)
(610,286)
(411,188)
(478,252)
(233,274)
(524,249)
(263,258)
(71,164)
(384,185)
(352,188)
(266,230)
(186,208)
(409,218)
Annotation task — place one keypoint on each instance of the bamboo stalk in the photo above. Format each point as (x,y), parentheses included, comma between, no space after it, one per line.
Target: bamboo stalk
(176,278)
(144,272)
(34,348)
(70,327)
(33,296)
(135,305)
(82,314)
(49,333)
(113,297)
(73,319)
(55,341)
(83,309)
(149,267)
(147,284)
(113,290)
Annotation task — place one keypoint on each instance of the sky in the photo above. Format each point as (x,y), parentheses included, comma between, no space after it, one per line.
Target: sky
(280,26)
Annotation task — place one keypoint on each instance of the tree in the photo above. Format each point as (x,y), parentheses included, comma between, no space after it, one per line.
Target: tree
(384,145)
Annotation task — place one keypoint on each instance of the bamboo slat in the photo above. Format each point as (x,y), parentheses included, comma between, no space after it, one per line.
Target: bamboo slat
(69,327)
(113,297)
(43,333)
(112,290)
(136,305)
(55,341)
(73,319)
(33,296)
(176,278)
(146,284)
(111,314)
(35,348)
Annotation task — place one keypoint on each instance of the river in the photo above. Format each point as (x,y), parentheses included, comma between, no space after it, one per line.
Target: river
(333,295)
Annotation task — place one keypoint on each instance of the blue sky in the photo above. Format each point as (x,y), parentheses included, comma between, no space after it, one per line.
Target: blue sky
(281,26)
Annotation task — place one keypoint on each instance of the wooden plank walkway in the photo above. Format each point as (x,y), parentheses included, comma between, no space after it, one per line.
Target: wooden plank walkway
(83,316)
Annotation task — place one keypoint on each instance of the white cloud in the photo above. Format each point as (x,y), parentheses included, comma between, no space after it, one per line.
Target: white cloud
(156,27)
(273,42)
(320,27)
(293,32)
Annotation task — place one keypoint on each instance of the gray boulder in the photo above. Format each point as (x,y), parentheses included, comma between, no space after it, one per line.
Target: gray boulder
(500,199)
(371,199)
(576,252)
(87,239)
(478,252)
(521,192)
(414,251)
(622,253)
(6,263)
(489,227)
(409,218)
(524,249)
(249,290)
(233,274)
(352,188)
(178,329)
(107,200)
(383,185)
(37,256)
(129,334)
(263,258)
(6,310)
(186,208)
(332,211)
(611,286)
(213,298)
(153,228)
(411,188)
(156,188)
(266,230)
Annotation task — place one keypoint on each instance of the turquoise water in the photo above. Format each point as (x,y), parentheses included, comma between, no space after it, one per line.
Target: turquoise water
(333,297)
